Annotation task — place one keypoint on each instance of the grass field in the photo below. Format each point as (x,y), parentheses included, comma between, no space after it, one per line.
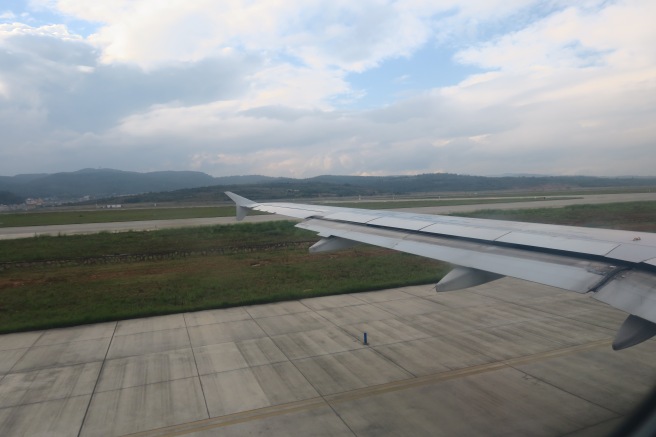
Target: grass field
(253,269)
(631,216)
(67,280)
(204,238)
(395,204)
(43,218)
(62,296)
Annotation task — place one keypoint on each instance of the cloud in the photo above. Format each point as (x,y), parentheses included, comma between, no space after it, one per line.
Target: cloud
(62,75)
(7,15)
(573,38)
(242,87)
(319,33)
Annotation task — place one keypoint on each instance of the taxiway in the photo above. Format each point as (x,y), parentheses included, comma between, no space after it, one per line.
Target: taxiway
(506,358)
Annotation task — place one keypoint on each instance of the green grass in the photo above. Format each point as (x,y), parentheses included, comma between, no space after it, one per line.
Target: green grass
(632,216)
(161,241)
(49,297)
(396,204)
(44,294)
(44,218)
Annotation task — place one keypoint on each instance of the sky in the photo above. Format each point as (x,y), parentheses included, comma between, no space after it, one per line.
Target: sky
(304,88)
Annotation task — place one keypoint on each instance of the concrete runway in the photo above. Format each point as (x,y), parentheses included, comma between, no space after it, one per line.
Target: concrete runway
(145,225)
(508,358)
(149,225)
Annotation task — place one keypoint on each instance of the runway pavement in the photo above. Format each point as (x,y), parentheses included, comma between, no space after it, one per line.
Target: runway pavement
(149,225)
(145,225)
(507,358)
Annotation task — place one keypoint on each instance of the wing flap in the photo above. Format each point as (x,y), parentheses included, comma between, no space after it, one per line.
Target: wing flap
(290,210)
(632,253)
(631,291)
(348,216)
(478,233)
(554,242)
(400,223)
(564,272)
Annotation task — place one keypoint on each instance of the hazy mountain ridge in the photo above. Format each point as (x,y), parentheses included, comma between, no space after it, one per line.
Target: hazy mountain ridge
(348,186)
(197,186)
(99,183)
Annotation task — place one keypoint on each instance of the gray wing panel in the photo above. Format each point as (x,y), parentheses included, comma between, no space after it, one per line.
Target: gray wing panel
(410,224)
(633,253)
(290,210)
(558,271)
(631,291)
(569,244)
(351,216)
(616,245)
(619,266)
(478,233)
(622,246)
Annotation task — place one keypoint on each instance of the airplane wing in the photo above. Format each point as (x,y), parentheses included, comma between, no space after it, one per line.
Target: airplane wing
(617,267)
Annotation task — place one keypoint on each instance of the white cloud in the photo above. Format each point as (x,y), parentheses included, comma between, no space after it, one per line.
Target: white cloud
(320,33)
(7,15)
(352,36)
(310,44)
(257,87)
(297,87)
(618,36)
(59,31)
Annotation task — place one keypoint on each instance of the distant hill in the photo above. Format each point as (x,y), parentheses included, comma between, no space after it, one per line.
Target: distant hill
(242,180)
(449,182)
(8,198)
(100,183)
(347,186)
(194,186)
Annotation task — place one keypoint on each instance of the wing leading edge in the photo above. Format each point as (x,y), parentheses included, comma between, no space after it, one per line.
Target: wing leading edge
(617,267)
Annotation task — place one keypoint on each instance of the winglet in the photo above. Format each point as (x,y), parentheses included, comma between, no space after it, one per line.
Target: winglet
(243,204)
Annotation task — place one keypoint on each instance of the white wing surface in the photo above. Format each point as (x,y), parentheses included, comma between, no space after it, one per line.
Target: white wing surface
(617,267)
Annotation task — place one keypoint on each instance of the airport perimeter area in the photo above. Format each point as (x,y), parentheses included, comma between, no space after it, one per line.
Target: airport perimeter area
(507,358)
